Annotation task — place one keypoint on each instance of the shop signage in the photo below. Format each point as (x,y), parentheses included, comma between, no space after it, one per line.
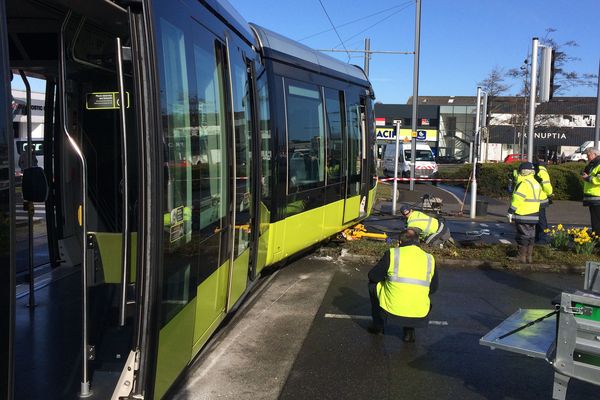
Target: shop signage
(389,133)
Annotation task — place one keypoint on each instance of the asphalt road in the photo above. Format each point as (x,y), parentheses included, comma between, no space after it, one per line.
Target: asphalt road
(305,337)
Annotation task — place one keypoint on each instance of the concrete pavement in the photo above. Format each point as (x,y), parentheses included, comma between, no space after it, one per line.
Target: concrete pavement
(305,337)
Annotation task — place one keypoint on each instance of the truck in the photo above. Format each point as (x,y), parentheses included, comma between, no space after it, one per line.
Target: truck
(425,165)
(579,154)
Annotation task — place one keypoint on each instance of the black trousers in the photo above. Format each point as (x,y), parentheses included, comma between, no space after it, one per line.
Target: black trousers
(379,315)
(525,234)
(540,235)
(595,217)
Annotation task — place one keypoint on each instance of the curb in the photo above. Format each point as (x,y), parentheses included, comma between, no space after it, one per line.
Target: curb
(453,263)
(478,264)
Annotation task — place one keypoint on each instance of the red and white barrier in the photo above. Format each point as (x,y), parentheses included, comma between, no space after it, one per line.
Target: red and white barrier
(423,179)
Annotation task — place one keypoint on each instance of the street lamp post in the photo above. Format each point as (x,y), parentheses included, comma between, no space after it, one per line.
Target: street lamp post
(395,197)
(475,151)
(532,89)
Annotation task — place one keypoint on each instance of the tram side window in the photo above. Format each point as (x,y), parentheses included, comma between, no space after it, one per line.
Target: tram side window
(175,99)
(243,156)
(306,136)
(265,137)
(354,145)
(334,102)
(209,169)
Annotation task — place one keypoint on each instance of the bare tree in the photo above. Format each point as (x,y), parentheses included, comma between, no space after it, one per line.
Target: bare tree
(564,79)
(494,85)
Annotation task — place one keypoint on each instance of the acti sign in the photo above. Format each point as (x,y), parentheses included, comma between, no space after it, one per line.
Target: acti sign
(429,135)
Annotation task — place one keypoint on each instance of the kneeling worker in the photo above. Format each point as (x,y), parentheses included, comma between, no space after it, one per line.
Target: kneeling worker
(400,284)
(430,230)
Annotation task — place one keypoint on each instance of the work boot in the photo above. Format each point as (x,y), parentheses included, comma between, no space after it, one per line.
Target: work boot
(530,253)
(409,335)
(521,256)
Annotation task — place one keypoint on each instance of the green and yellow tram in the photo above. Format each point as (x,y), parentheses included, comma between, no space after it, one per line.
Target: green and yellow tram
(184,151)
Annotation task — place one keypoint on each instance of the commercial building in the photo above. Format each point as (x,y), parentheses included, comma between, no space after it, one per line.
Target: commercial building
(561,125)
(20,124)
(386,116)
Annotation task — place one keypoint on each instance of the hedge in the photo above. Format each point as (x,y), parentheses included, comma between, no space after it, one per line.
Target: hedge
(492,179)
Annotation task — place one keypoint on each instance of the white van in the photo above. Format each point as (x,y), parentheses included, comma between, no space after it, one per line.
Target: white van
(579,155)
(425,166)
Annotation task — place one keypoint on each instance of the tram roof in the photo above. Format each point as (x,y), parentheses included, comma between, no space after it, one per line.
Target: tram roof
(233,18)
(281,48)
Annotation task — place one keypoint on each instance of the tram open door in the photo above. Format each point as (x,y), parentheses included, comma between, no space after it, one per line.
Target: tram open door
(85,328)
(567,337)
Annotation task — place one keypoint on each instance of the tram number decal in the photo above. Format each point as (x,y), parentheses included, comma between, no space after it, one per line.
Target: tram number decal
(104,101)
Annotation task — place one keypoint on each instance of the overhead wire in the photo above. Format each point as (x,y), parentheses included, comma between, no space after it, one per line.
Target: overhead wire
(336,32)
(378,22)
(356,20)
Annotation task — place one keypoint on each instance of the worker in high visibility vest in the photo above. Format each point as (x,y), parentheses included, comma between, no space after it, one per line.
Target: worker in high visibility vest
(543,178)
(400,285)
(591,186)
(524,210)
(430,230)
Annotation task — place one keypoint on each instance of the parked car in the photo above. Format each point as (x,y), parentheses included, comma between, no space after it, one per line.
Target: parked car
(511,158)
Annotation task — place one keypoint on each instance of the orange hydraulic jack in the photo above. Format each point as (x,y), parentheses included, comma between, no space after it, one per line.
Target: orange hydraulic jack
(359,231)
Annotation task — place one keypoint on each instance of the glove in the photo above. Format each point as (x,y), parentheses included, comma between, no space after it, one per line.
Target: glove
(510,217)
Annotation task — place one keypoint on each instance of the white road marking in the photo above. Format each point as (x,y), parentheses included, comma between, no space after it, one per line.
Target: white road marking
(504,241)
(452,194)
(440,323)
(484,225)
(368,317)
(498,225)
(347,316)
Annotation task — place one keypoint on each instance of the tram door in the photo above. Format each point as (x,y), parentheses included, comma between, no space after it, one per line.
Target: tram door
(242,102)
(77,338)
(7,269)
(357,170)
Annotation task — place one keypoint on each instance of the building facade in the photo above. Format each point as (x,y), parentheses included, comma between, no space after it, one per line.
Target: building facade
(561,125)
(20,125)
(386,116)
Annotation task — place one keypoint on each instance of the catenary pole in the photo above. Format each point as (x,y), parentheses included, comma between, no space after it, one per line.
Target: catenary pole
(532,90)
(597,129)
(415,97)
(395,198)
(475,151)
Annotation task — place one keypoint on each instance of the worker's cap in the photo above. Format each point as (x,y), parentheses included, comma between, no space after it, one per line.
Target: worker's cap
(404,210)
(525,165)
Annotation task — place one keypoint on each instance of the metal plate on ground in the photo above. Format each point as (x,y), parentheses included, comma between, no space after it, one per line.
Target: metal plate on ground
(537,340)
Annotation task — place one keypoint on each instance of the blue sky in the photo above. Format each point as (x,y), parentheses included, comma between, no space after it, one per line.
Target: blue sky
(461,40)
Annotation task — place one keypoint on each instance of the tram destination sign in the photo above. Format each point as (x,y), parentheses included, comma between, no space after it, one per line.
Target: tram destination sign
(104,101)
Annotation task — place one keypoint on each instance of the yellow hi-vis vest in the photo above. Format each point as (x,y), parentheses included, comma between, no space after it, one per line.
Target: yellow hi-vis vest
(526,199)
(543,179)
(428,225)
(405,292)
(591,187)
